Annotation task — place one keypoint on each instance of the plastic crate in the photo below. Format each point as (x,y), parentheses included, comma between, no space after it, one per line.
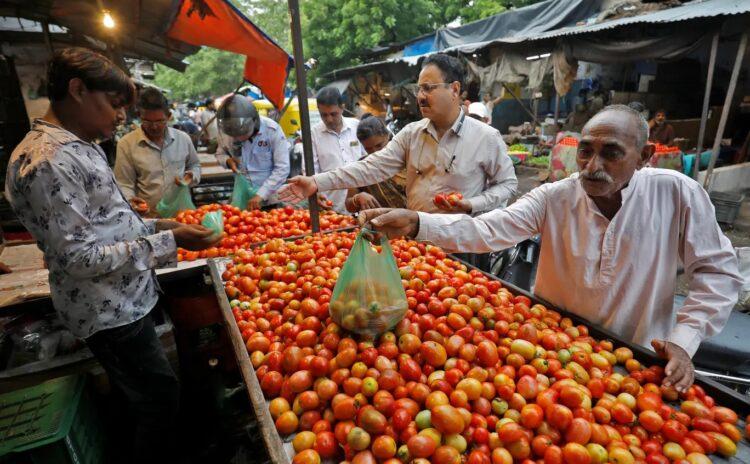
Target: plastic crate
(53,422)
(727,206)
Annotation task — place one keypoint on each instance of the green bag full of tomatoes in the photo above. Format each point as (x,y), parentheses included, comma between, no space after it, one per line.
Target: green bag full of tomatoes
(368,298)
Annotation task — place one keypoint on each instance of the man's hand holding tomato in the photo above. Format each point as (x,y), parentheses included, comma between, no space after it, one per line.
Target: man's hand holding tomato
(452,203)
(255,202)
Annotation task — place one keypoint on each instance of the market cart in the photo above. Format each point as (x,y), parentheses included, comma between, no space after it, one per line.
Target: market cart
(281,451)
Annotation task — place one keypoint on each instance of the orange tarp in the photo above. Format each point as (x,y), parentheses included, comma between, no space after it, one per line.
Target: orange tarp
(218,24)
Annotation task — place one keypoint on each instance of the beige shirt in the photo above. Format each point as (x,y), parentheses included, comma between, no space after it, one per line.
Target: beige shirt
(620,274)
(471,158)
(142,169)
(332,150)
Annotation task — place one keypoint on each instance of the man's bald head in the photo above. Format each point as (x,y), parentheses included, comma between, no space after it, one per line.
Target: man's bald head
(612,147)
(639,126)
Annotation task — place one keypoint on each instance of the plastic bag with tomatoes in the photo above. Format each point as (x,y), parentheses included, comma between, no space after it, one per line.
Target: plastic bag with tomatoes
(242,191)
(368,298)
(176,198)
(214,221)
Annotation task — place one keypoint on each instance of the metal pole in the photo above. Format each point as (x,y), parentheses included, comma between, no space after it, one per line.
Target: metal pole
(725,110)
(280,114)
(299,67)
(706,97)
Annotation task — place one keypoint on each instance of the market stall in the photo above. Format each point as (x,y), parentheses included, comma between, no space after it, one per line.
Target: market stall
(266,387)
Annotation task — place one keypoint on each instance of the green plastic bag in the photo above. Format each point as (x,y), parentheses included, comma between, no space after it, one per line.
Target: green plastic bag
(175,199)
(214,221)
(368,297)
(242,191)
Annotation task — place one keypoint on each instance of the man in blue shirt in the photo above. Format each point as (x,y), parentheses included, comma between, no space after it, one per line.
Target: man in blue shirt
(254,146)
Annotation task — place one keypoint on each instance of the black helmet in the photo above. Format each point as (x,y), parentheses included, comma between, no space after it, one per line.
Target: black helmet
(237,117)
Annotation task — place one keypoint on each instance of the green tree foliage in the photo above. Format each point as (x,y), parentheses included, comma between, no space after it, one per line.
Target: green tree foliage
(272,16)
(211,72)
(337,33)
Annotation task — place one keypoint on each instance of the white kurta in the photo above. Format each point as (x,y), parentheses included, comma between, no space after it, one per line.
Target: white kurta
(620,274)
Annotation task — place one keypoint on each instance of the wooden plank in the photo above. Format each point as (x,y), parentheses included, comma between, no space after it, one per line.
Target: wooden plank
(266,425)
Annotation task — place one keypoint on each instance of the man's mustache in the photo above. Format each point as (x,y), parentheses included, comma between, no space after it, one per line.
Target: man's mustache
(597,176)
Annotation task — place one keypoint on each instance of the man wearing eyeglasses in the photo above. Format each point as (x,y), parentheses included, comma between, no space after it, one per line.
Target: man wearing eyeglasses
(444,152)
(154,157)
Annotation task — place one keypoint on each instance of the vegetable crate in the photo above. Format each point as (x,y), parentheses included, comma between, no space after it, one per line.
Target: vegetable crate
(727,206)
(53,422)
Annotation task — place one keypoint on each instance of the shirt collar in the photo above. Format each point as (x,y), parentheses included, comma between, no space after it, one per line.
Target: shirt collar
(346,126)
(59,134)
(143,139)
(456,128)
(629,190)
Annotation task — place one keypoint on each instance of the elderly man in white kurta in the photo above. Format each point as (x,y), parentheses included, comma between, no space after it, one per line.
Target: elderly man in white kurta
(612,239)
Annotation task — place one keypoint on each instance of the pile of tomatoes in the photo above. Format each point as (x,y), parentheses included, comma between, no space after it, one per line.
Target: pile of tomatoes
(245,228)
(472,374)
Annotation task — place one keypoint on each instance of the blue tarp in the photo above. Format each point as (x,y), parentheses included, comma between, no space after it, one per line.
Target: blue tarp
(533,19)
(421,46)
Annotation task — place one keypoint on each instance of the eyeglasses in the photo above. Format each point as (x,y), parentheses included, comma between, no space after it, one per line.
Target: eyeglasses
(160,122)
(427,88)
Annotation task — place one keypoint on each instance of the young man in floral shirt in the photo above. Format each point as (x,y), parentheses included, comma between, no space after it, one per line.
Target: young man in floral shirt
(101,255)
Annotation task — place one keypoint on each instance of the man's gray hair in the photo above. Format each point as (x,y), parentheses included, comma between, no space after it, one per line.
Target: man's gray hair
(641,137)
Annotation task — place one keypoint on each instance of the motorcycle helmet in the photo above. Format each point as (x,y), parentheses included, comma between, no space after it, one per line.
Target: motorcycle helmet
(238,120)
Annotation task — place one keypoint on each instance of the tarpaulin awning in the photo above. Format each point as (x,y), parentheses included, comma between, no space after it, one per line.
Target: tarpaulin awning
(218,24)
(529,20)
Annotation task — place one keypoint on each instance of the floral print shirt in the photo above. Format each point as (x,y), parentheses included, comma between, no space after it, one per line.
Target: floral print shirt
(101,255)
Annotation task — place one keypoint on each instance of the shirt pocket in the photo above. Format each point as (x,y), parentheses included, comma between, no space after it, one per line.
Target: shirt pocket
(262,156)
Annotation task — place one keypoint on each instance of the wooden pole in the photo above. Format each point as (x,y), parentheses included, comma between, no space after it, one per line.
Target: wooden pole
(725,111)
(557,108)
(520,102)
(299,67)
(706,98)
(47,37)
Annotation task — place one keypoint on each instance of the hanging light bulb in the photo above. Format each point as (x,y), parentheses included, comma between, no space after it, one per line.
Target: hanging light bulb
(108,20)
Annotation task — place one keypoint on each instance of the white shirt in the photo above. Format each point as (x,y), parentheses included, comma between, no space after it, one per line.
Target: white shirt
(264,160)
(471,158)
(332,150)
(619,274)
(212,130)
(101,254)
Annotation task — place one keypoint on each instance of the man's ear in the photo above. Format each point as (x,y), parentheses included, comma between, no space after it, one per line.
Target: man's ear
(646,153)
(76,89)
(456,87)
